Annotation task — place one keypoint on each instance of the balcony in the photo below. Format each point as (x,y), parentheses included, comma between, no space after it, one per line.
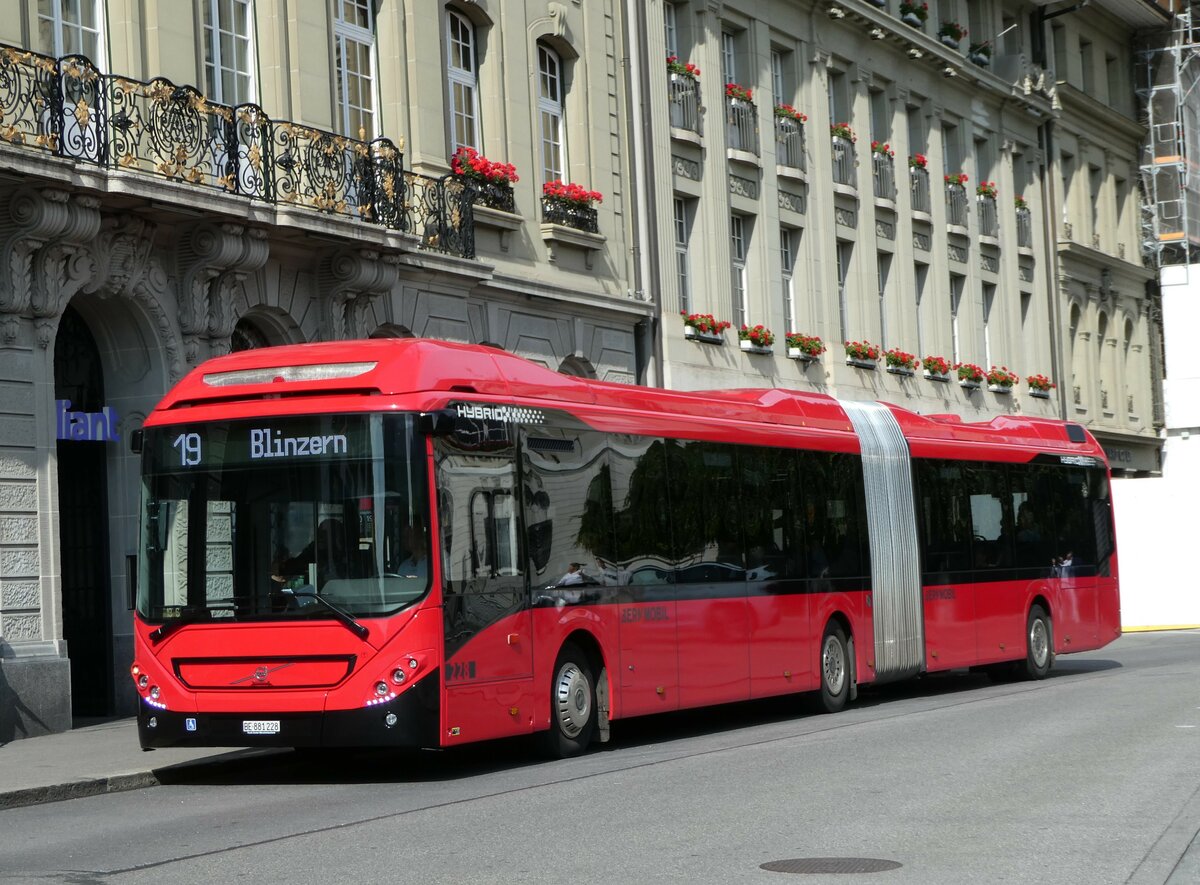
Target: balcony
(566,213)
(844,162)
(67,108)
(683,103)
(1024,229)
(989,217)
(883,173)
(922,202)
(789,143)
(957,206)
(741,126)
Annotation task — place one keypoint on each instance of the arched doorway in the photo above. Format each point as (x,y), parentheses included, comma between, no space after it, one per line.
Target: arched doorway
(83,519)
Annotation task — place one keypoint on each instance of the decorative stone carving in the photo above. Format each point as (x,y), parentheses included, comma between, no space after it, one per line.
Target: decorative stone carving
(347,280)
(685,168)
(743,187)
(213,262)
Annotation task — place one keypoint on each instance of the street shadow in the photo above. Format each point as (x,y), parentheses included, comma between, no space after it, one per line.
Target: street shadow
(330,766)
(14,712)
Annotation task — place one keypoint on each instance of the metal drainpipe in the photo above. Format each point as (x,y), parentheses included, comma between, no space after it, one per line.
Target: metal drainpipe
(1049,202)
(644,235)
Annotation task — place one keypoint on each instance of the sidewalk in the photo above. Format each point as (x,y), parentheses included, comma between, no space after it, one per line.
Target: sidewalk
(86,761)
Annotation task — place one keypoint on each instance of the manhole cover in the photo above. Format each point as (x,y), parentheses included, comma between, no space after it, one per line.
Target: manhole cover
(816,865)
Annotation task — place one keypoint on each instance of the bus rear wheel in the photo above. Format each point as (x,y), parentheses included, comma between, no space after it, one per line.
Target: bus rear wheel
(1039,647)
(572,704)
(835,669)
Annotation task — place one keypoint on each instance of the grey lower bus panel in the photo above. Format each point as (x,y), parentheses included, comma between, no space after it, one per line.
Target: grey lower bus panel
(891,526)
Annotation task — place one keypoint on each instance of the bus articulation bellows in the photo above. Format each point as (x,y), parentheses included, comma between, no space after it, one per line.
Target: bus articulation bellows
(417,543)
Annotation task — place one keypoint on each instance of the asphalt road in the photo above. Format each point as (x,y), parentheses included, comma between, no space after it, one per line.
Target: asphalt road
(1091,776)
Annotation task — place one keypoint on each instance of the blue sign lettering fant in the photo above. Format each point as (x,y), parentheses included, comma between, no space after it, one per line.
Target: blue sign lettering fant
(85,426)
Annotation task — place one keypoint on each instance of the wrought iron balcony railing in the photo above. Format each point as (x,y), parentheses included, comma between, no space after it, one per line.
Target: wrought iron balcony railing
(989,218)
(1024,229)
(789,140)
(918,179)
(956,204)
(67,108)
(683,99)
(570,214)
(741,123)
(844,161)
(883,171)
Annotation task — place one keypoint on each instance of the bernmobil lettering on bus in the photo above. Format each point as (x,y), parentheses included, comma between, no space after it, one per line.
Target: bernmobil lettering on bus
(89,426)
(273,444)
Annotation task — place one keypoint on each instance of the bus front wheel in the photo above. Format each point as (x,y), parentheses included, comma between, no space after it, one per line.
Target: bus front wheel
(1039,639)
(835,669)
(572,704)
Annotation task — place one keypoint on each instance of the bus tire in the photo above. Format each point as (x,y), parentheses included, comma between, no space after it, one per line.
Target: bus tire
(835,669)
(573,708)
(1039,644)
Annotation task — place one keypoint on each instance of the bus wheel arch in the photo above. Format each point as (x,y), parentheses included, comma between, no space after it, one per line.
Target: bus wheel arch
(835,664)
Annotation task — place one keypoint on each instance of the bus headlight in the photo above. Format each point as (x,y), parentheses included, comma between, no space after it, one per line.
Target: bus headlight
(398,676)
(381,688)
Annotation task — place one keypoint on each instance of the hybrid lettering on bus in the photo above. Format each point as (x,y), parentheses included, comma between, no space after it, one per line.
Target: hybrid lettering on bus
(418,543)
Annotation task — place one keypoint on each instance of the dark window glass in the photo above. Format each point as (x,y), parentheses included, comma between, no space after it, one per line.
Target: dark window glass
(568,506)
(836,533)
(944,519)
(707,519)
(991,516)
(772,514)
(641,512)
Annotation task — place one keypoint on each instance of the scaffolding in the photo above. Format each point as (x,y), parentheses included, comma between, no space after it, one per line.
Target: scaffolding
(1168,79)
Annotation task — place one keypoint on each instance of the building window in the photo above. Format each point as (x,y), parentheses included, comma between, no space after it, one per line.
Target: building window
(71,27)
(670,29)
(550,110)
(683,234)
(1087,72)
(956,293)
(845,252)
(883,270)
(989,299)
(228,51)
(728,57)
(739,235)
(354,41)
(788,241)
(462,75)
(920,278)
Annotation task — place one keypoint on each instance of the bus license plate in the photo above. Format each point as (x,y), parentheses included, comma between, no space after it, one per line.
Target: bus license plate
(260,726)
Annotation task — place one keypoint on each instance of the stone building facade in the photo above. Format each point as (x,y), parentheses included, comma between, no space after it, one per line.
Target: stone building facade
(955,182)
(178,180)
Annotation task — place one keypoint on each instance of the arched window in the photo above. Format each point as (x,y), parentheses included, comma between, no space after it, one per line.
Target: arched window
(550,112)
(462,75)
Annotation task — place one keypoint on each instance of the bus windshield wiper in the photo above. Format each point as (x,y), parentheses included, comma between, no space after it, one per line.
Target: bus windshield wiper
(340,613)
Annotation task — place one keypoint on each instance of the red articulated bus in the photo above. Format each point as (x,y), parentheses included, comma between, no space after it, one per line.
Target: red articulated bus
(418,543)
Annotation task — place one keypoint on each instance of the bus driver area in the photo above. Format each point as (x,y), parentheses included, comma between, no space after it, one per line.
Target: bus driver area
(418,543)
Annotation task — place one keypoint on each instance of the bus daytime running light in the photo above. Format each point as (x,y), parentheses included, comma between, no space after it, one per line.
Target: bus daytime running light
(272,374)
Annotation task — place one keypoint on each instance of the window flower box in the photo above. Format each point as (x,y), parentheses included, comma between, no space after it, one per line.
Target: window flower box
(1040,386)
(755,339)
(914,14)
(1000,380)
(951,33)
(862,354)
(682,69)
(970,376)
(806,348)
(491,181)
(900,362)
(980,54)
(703,327)
(936,368)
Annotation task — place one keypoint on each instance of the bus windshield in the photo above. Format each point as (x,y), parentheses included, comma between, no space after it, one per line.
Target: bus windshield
(250,520)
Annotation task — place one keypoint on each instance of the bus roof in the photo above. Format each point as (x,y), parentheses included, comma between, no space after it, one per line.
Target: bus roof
(424,373)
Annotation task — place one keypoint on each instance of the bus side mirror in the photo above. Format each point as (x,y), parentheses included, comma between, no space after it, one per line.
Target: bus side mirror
(135,441)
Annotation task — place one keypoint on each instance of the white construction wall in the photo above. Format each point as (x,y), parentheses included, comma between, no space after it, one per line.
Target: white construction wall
(1158,520)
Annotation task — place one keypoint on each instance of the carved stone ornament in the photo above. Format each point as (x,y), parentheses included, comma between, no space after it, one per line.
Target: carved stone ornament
(214,260)
(348,280)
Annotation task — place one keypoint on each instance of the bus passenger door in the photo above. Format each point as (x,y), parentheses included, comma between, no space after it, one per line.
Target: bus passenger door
(488,660)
